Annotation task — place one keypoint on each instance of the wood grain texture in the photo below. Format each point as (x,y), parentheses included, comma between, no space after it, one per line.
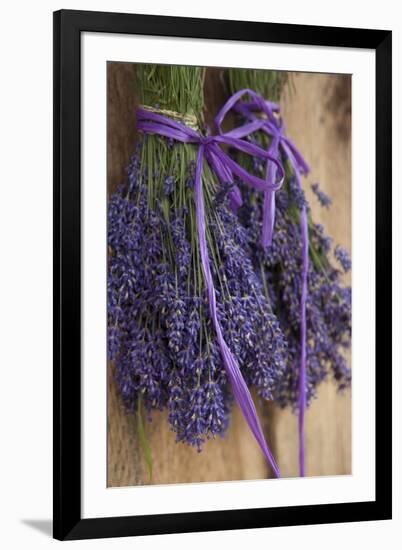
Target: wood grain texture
(317,116)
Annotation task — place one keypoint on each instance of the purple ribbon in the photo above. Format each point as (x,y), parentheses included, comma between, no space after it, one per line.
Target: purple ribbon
(274,127)
(209,148)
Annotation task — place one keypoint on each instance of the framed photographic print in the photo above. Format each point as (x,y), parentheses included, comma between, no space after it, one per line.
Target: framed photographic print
(212,367)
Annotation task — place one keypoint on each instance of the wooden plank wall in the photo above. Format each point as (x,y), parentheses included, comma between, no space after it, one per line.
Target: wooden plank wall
(317,114)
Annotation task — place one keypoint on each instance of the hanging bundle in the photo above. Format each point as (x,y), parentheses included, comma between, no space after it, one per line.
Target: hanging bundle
(189,323)
(292,257)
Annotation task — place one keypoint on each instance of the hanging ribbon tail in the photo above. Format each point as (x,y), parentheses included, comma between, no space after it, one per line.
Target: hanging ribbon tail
(245,402)
(303,323)
(294,156)
(268,219)
(300,165)
(239,386)
(303,340)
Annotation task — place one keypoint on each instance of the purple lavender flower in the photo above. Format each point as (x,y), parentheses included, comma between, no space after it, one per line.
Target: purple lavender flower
(342,255)
(169,185)
(296,194)
(182,245)
(324,199)
(114,338)
(216,409)
(321,241)
(176,405)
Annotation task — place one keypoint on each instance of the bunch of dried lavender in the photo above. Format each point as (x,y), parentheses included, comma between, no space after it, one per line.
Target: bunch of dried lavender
(160,334)
(328,308)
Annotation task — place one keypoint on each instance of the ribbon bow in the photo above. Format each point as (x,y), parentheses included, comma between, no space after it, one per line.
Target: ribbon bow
(209,148)
(273,125)
(275,128)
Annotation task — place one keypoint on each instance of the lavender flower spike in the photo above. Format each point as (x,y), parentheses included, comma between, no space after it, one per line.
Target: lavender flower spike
(342,255)
(324,199)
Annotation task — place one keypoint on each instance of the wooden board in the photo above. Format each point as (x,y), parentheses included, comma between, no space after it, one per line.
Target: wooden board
(317,116)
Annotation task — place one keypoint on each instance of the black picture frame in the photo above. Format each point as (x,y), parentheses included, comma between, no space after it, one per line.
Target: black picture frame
(68,26)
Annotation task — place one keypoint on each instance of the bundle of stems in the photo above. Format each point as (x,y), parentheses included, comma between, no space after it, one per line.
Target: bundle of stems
(160,334)
(271,83)
(328,307)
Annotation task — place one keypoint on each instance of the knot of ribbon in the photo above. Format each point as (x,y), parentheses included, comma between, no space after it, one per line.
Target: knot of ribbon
(209,149)
(268,115)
